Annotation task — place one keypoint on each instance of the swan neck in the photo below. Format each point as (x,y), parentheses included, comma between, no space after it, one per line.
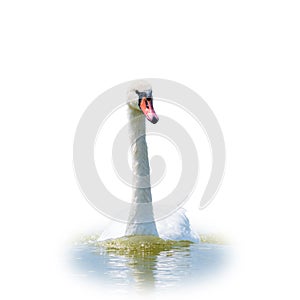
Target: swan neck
(140,161)
(141,218)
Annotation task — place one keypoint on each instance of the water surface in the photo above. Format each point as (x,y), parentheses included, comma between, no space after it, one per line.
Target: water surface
(144,267)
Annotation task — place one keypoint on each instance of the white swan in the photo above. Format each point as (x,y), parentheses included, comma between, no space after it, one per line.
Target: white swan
(175,227)
(140,103)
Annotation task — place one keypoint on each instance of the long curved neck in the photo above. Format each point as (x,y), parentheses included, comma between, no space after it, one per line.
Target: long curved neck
(141,198)
(140,162)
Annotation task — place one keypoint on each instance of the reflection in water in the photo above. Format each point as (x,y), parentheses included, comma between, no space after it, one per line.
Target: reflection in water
(152,269)
(141,269)
(144,270)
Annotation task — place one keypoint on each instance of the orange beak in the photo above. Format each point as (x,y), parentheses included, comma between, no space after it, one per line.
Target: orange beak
(146,106)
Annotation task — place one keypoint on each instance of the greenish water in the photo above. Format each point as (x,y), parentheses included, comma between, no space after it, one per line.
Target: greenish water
(143,262)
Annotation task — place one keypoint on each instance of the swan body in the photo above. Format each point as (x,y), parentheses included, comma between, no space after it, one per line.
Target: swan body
(175,227)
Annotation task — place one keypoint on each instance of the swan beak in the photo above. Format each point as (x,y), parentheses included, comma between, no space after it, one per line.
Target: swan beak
(146,106)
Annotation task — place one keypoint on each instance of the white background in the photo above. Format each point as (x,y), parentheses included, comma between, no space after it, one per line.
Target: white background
(242,57)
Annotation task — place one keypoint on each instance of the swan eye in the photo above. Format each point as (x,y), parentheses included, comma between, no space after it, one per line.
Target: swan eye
(147,103)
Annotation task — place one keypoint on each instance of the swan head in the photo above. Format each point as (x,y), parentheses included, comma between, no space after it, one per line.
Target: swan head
(139,98)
